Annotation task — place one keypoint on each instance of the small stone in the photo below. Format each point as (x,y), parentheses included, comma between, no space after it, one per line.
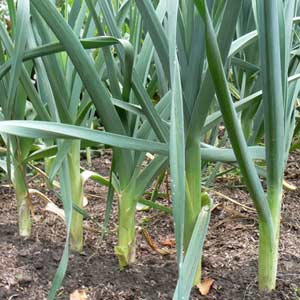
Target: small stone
(23,279)
(23,253)
(56,257)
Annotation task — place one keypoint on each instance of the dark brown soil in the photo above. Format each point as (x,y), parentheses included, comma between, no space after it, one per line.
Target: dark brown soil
(230,256)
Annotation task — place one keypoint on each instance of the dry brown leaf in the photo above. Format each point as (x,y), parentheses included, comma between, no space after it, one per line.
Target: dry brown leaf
(168,242)
(79,295)
(205,285)
(8,23)
(153,244)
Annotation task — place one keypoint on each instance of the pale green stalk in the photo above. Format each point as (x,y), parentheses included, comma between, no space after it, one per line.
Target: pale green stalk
(273,100)
(22,197)
(193,194)
(126,250)
(76,230)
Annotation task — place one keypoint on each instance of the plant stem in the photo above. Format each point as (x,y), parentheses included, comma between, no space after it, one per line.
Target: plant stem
(268,252)
(267,261)
(23,203)
(76,241)
(193,194)
(125,250)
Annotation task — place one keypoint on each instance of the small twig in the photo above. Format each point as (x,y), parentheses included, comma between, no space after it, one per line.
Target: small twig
(215,206)
(41,172)
(153,245)
(237,214)
(41,195)
(33,178)
(231,200)
(94,196)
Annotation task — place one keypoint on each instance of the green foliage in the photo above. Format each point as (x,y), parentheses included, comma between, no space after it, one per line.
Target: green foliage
(190,82)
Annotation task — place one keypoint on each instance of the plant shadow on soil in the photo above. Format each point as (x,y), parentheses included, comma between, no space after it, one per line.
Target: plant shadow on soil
(230,255)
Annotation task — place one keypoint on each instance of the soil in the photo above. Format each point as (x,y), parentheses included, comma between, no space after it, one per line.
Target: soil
(27,266)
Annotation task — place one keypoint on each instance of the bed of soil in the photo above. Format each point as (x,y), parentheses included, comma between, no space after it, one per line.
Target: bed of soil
(27,266)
